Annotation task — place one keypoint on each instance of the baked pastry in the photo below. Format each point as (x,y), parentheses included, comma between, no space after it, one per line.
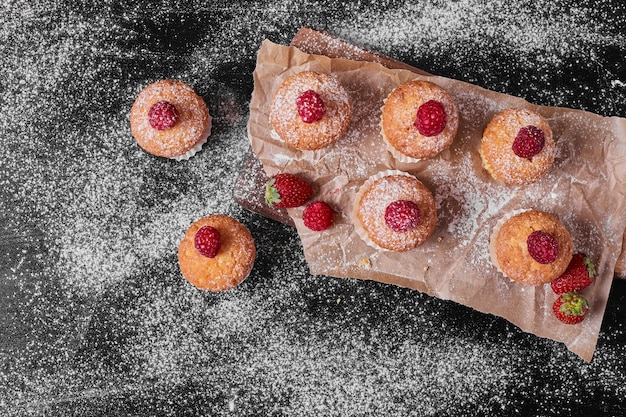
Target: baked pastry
(517,146)
(310,110)
(395,211)
(216,253)
(531,247)
(169,119)
(419,119)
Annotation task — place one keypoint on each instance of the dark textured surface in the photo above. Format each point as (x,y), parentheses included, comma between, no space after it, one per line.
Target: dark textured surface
(95,318)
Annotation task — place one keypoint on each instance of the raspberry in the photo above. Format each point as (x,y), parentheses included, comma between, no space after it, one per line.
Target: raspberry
(162,115)
(207,241)
(318,216)
(402,216)
(542,247)
(431,118)
(528,142)
(311,108)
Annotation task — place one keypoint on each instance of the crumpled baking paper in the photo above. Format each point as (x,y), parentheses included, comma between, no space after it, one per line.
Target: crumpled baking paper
(584,189)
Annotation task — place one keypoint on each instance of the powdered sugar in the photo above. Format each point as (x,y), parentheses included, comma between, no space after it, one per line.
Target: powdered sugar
(98,319)
(536,44)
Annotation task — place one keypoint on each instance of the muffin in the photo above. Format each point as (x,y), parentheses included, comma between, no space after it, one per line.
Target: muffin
(216,253)
(531,247)
(169,119)
(395,211)
(310,110)
(419,120)
(517,147)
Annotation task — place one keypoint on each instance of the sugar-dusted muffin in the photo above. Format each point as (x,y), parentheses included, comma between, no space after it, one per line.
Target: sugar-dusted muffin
(419,120)
(395,211)
(517,147)
(216,253)
(531,247)
(311,110)
(169,119)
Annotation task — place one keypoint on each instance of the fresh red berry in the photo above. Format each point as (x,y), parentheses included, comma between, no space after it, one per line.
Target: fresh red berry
(162,115)
(287,190)
(431,118)
(318,216)
(207,241)
(570,308)
(578,275)
(402,215)
(529,142)
(311,107)
(542,247)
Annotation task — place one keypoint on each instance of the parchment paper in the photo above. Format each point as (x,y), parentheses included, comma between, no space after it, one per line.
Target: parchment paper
(584,189)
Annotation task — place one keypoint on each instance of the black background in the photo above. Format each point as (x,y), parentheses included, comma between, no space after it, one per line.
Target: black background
(95,318)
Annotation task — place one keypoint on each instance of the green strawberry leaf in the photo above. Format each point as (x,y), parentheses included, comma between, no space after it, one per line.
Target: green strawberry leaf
(591,268)
(271,193)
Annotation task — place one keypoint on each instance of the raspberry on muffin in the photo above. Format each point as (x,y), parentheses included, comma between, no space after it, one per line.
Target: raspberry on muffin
(402,215)
(431,118)
(311,107)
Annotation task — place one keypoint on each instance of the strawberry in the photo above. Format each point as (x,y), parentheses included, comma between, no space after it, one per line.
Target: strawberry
(431,118)
(318,216)
(578,275)
(287,190)
(570,308)
(542,247)
(162,115)
(207,241)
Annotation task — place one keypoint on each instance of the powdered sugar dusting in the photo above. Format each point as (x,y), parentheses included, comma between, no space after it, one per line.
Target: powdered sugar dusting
(536,45)
(468,204)
(96,318)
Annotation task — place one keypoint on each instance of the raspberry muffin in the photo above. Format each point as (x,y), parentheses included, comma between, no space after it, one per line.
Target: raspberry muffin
(395,211)
(517,147)
(531,247)
(419,120)
(310,110)
(169,119)
(216,253)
